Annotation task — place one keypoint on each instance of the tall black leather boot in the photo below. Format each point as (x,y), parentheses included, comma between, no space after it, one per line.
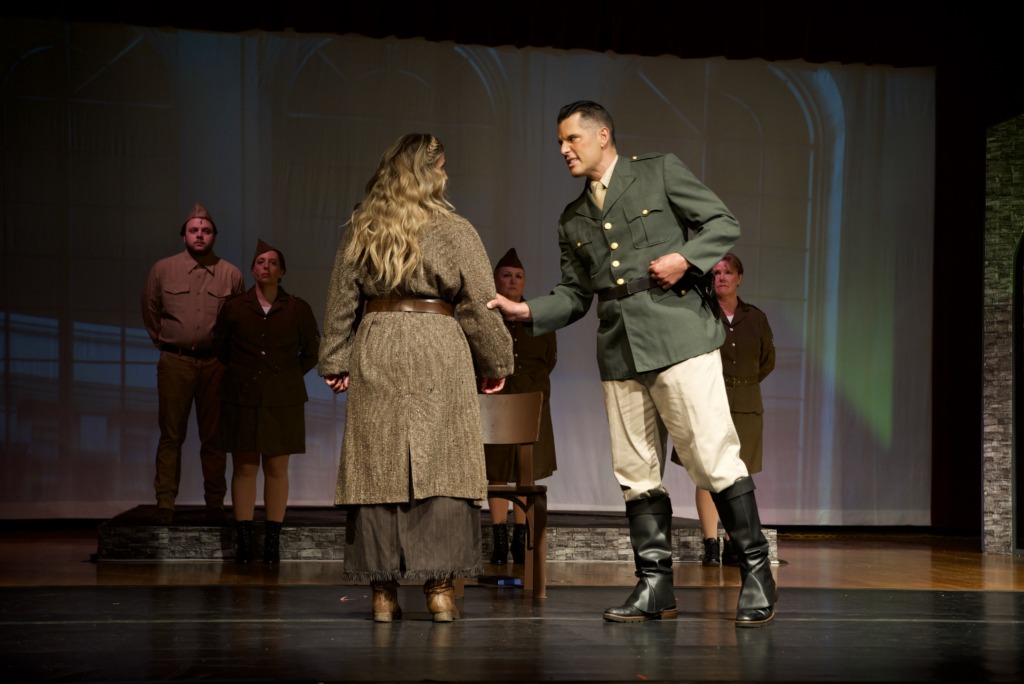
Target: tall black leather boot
(737,509)
(728,557)
(650,532)
(499,555)
(272,542)
(518,546)
(243,542)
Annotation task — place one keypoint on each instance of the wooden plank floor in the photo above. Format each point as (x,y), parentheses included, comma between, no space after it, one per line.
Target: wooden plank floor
(853,608)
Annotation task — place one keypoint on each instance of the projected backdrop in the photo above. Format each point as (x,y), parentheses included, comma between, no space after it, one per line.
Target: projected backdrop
(112,132)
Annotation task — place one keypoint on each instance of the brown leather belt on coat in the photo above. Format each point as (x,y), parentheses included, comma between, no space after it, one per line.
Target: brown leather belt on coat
(732,383)
(410,305)
(626,289)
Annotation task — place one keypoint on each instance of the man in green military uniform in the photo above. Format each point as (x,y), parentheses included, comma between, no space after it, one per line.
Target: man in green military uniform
(639,236)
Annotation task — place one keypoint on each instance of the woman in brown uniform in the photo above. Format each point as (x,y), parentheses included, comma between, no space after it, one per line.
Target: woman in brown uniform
(412,458)
(748,356)
(535,359)
(267,339)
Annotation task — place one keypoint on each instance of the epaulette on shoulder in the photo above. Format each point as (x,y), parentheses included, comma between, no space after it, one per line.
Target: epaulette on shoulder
(752,306)
(646,156)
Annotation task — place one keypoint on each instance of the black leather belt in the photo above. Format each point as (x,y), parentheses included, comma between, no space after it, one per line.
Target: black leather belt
(194,353)
(626,289)
(410,304)
(732,383)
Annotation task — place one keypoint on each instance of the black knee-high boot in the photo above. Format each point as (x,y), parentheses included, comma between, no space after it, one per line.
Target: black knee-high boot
(272,542)
(650,532)
(737,509)
(243,541)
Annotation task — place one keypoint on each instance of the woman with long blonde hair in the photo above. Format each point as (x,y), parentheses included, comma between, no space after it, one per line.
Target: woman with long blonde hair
(406,325)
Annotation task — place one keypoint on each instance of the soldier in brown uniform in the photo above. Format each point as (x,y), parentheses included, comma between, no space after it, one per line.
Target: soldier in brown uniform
(535,359)
(180,303)
(268,339)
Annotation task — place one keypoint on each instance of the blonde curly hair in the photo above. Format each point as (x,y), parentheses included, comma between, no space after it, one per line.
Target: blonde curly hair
(404,193)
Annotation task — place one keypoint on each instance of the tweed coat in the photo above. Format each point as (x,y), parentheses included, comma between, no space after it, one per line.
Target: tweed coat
(412,429)
(653,206)
(535,358)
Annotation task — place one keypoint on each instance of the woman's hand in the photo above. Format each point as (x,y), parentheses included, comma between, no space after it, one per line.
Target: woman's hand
(337,383)
(492,386)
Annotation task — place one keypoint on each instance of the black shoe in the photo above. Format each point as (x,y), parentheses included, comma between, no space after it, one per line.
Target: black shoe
(646,593)
(650,533)
(163,516)
(711,553)
(499,556)
(756,618)
(272,543)
(243,542)
(518,545)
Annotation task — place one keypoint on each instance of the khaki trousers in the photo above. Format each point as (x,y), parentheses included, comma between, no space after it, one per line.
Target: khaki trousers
(686,401)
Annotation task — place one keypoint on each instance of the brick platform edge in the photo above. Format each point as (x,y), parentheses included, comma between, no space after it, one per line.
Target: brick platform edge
(132,536)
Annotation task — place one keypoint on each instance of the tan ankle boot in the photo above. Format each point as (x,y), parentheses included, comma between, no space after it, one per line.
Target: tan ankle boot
(441,599)
(385,601)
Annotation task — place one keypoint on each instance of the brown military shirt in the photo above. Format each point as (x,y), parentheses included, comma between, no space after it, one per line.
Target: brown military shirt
(183,296)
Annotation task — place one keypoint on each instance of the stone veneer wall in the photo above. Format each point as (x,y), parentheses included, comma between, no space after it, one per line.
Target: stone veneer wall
(1004,224)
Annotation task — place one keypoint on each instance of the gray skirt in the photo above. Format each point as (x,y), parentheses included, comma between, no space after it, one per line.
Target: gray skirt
(434,538)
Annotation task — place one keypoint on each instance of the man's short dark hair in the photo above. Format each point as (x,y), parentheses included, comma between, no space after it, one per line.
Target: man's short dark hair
(591,111)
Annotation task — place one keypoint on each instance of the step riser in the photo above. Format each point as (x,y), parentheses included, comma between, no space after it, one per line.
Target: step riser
(327,543)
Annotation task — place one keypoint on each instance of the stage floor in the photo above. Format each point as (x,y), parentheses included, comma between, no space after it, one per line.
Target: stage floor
(853,608)
(324,634)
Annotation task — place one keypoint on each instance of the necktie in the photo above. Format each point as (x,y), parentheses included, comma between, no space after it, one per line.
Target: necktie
(597,189)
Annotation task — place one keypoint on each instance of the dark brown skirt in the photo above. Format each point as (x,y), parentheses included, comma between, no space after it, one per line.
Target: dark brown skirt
(750,427)
(270,430)
(434,538)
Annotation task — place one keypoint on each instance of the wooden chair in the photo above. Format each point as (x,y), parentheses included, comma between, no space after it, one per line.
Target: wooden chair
(514,419)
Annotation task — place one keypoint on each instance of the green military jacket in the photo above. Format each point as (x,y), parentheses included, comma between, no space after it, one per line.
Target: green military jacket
(653,206)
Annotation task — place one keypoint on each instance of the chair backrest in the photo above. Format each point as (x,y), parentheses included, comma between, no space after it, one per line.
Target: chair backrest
(511,418)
